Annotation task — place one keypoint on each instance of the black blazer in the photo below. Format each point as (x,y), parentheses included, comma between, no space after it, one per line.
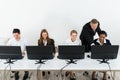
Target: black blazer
(87,34)
(51,43)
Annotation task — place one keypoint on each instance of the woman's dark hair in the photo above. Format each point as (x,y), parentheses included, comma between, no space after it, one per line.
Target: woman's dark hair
(102,32)
(40,41)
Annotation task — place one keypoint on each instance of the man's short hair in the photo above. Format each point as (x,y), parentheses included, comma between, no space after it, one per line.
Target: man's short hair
(94,21)
(16,30)
(102,32)
(73,31)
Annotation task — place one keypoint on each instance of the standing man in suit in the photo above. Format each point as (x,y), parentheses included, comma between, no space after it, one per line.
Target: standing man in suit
(88,32)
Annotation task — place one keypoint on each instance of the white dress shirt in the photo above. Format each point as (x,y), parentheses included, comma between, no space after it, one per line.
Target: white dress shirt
(45,42)
(22,43)
(70,42)
(99,42)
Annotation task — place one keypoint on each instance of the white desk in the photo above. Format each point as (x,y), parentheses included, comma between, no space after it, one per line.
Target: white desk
(57,64)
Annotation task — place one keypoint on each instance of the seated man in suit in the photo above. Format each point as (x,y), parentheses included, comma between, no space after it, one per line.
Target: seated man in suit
(101,41)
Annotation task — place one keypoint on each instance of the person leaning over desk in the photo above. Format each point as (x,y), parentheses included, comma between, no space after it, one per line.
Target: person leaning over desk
(101,41)
(88,32)
(73,40)
(45,40)
(87,35)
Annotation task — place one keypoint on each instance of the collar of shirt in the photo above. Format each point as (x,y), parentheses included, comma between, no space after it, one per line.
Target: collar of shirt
(16,40)
(45,42)
(99,41)
(70,42)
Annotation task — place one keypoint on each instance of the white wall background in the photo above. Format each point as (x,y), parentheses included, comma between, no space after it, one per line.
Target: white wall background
(59,17)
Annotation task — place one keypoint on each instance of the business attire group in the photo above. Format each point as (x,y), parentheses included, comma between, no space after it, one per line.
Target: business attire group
(86,38)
